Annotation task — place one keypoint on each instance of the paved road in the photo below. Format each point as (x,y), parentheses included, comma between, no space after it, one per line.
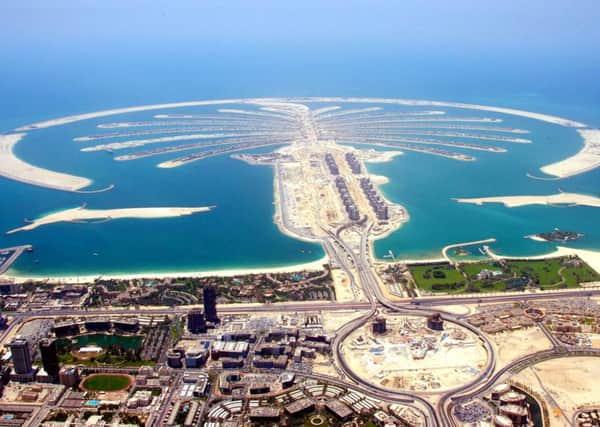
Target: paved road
(227,309)
(454,300)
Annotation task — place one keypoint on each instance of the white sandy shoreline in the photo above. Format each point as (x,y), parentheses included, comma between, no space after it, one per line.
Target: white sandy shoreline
(591,257)
(308,266)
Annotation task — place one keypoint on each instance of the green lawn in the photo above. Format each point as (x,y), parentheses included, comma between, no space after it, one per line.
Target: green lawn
(545,273)
(575,275)
(438,277)
(472,269)
(106,382)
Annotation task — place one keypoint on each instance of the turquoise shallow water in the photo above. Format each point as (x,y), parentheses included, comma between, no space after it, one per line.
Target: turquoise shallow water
(240,232)
(426,186)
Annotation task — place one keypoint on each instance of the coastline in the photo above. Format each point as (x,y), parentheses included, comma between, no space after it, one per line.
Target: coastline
(591,257)
(308,266)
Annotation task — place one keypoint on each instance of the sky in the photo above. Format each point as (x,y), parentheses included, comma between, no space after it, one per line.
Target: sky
(352,24)
(75,55)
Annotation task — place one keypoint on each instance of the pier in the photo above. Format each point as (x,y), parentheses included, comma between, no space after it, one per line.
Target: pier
(13,253)
(460,245)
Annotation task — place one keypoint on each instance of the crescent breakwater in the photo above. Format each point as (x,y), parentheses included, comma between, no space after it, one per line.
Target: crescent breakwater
(12,167)
(273,109)
(81,214)
(510,111)
(586,159)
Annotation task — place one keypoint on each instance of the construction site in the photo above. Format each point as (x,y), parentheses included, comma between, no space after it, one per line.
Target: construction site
(414,353)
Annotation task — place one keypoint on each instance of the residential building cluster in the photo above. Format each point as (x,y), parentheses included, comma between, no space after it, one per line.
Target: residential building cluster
(347,200)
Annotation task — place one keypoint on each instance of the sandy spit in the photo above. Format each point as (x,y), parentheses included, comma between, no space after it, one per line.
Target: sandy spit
(83,214)
(553,199)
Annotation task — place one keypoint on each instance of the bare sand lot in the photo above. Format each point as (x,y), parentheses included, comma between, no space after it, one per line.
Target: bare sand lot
(341,284)
(570,382)
(512,345)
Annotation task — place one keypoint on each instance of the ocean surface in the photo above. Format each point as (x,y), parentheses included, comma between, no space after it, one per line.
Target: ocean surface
(240,232)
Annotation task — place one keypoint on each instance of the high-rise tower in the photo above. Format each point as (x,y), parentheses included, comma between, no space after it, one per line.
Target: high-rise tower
(210,303)
(196,323)
(19,348)
(49,355)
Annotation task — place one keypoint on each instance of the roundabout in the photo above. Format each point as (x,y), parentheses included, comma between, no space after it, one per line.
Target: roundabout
(410,356)
(316,420)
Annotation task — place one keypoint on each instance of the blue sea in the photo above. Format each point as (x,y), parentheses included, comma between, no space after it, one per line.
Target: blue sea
(240,232)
